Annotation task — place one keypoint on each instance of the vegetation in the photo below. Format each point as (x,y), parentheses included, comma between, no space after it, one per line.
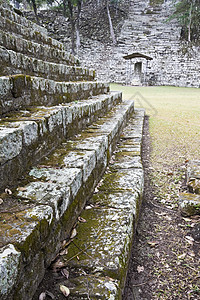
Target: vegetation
(187,12)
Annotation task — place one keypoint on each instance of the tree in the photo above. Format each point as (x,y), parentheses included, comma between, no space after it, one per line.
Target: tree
(35,4)
(112,34)
(72,8)
(187,12)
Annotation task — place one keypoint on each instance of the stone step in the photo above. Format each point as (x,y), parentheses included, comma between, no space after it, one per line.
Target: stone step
(21,91)
(97,258)
(16,63)
(33,34)
(44,52)
(7,11)
(27,136)
(42,211)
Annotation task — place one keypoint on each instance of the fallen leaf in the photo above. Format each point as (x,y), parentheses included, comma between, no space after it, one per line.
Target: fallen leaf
(42,296)
(64,290)
(21,189)
(190,238)
(109,278)
(73,233)
(187,220)
(82,220)
(63,252)
(7,191)
(65,273)
(152,243)
(191,253)
(182,256)
(50,295)
(1,201)
(197,217)
(88,207)
(58,265)
(140,269)
(63,243)
(158,255)
(168,218)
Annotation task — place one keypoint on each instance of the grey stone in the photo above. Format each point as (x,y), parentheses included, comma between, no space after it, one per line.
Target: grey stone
(96,288)
(9,264)
(189,204)
(71,177)
(86,160)
(51,194)
(5,86)
(123,180)
(10,143)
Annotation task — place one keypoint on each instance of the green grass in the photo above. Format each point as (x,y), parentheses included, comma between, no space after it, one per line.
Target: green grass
(174,121)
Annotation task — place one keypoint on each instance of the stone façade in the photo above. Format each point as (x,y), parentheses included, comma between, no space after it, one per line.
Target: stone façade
(145,30)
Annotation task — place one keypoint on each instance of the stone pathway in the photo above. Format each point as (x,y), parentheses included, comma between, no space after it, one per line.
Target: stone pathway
(96,259)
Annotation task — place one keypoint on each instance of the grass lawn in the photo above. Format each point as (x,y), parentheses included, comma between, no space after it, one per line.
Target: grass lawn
(174,125)
(174,120)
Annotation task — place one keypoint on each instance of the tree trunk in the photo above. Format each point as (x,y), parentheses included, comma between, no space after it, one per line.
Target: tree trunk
(72,22)
(35,10)
(190,22)
(64,8)
(112,34)
(78,42)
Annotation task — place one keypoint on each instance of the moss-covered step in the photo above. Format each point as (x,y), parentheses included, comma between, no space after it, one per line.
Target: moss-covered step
(97,258)
(33,34)
(44,208)
(44,52)
(189,204)
(193,176)
(27,136)
(21,91)
(16,63)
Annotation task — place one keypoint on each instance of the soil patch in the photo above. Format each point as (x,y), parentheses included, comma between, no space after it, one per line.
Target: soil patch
(165,256)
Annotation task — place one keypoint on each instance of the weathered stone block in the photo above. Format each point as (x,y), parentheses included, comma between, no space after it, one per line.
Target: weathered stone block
(123,180)
(10,260)
(193,176)
(85,160)
(10,143)
(98,288)
(189,204)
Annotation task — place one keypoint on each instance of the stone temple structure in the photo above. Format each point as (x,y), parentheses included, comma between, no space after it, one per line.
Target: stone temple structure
(61,132)
(146,31)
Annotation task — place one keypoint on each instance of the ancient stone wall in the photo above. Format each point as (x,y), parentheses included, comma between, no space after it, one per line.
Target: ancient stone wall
(145,30)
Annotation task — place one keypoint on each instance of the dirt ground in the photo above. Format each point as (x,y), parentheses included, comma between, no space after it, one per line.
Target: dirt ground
(166,253)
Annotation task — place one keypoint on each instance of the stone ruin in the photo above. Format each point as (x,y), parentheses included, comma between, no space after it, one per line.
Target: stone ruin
(189,200)
(147,31)
(60,130)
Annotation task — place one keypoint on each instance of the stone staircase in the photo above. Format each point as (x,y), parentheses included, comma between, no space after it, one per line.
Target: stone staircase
(147,31)
(59,129)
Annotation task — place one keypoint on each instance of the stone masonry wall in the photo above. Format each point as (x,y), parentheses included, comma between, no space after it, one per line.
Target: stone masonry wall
(174,62)
(147,31)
